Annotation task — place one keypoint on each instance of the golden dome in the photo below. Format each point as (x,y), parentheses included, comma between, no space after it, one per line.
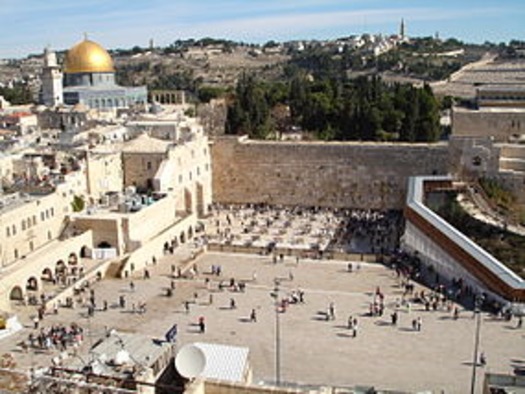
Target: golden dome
(88,57)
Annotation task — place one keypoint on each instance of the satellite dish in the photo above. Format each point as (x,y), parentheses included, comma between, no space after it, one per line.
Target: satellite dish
(190,361)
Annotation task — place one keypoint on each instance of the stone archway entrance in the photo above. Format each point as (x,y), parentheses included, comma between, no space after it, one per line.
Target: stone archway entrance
(32,284)
(104,245)
(60,268)
(47,275)
(84,252)
(16,293)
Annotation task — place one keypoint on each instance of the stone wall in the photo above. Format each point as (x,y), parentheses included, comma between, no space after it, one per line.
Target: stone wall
(501,124)
(335,174)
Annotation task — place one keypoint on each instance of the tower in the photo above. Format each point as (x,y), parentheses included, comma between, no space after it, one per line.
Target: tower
(402,29)
(52,94)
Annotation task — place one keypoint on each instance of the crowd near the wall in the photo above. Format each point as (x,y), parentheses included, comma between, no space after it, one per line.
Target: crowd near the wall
(299,228)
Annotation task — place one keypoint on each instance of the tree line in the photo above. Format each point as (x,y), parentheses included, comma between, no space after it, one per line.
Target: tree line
(365,108)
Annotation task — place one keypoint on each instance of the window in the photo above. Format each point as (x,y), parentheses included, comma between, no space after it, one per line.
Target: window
(31,246)
(52,211)
(23,225)
(34,220)
(49,235)
(47,213)
(8,231)
(148,165)
(190,176)
(16,253)
(42,216)
(13,229)
(180,178)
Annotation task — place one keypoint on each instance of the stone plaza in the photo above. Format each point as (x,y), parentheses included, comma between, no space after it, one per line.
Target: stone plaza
(314,350)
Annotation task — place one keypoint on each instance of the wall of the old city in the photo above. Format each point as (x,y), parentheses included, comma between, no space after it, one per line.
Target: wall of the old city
(501,124)
(336,174)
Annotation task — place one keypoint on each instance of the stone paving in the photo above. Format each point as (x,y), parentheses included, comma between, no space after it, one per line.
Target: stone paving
(313,350)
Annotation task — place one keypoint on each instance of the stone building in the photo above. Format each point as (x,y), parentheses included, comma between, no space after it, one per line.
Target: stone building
(121,202)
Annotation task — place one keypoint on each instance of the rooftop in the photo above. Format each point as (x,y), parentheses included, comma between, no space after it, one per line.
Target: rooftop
(146,144)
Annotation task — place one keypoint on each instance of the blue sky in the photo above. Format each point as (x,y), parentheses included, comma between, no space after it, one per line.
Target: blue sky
(27,26)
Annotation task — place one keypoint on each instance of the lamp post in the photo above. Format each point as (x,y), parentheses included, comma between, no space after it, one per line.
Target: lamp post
(275,294)
(477,315)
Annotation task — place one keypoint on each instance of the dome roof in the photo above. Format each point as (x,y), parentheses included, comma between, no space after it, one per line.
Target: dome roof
(88,57)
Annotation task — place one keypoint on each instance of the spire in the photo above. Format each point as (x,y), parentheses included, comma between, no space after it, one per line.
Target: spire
(402,28)
(85,36)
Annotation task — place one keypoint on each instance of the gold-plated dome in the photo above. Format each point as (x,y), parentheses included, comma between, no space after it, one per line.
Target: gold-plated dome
(88,57)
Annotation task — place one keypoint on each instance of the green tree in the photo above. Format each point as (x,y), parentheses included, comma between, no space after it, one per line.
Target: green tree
(18,94)
(77,204)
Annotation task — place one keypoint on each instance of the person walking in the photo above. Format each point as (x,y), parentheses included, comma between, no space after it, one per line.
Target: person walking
(482,359)
(122,301)
(202,325)
(331,311)
(253,316)
(394,318)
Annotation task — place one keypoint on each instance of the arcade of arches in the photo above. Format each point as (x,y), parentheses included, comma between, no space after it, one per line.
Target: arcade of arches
(61,273)
(167,96)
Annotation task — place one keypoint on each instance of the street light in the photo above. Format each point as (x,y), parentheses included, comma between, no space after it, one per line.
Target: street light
(477,314)
(275,294)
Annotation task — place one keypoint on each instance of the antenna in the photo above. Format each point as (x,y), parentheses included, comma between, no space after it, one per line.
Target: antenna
(85,36)
(190,361)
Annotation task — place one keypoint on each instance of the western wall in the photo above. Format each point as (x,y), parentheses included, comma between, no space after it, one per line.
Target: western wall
(330,174)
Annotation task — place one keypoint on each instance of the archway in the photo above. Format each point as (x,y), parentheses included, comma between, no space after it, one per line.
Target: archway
(84,252)
(72,259)
(190,233)
(47,275)
(60,268)
(32,284)
(182,238)
(16,293)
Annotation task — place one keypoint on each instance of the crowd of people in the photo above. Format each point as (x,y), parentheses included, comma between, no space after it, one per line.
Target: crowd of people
(55,337)
(319,229)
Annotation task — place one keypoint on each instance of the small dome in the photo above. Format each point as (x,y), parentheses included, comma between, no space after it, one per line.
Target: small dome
(88,57)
